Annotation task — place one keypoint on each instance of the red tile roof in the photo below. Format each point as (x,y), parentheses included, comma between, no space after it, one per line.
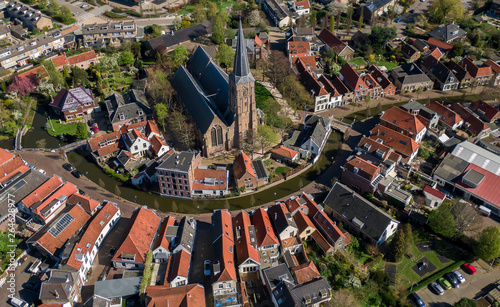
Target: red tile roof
(162,239)
(85,202)
(448,116)
(305,272)
(140,235)
(352,79)
(184,296)
(285,152)
(436,53)
(218,176)
(156,144)
(475,71)
(434,192)
(401,143)
(294,204)
(82,57)
(257,41)
(152,127)
(328,86)
(309,81)
(69,30)
(59,60)
(5,156)
(242,165)
(370,81)
(493,65)
(91,234)
(52,244)
(299,47)
(340,86)
(10,166)
(437,43)
(302,221)
(364,168)
(487,188)
(329,227)
(104,151)
(403,119)
(380,77)
(228,271)
(263,228)
(40,71)
(476,125)
(66,190)
(488,111)
(332,41)
(245,249)
(322,242)
(304,3)
(42,191)
(93,143)
(309,60)
(180,265)
(373,146)
(311,204)
(22,169)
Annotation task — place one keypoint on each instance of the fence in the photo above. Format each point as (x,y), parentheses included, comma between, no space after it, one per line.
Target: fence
(290,173)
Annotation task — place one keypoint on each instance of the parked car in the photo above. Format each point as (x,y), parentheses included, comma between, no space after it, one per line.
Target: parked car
(76,173)
(68,167)
(81,192)
(444,283)
(41,171)
(95,128)
(84,5)
(437,288)
(469,268)
(412,11)
(416,300)
(459,276)
(17,302)
(452,278)
(90,122)
(207,267)
(399,19)
(32,166)
(32,285)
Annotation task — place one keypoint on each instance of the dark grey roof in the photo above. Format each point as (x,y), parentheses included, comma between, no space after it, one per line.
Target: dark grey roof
(409,50)
(61,281)
(317,290)
(380,3)
(179,161)
(409,73)
(260,169)
(233,42)
(112,102)
(217,227)
(136,96)
(350,205)
(97,301)
(276,274)
(130,111)
(318,131)
(446,33)
(439,70)
(186,238)
(241,73)
(473,177)
(283,296)
(123,287)
(172,39)
(281,220)
(414,105)
(451,168)
(125,160)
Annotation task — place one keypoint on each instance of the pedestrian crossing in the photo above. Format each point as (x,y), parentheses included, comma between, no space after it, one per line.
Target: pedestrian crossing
(85,16)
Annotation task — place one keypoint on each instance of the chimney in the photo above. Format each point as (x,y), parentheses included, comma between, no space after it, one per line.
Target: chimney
(56,293)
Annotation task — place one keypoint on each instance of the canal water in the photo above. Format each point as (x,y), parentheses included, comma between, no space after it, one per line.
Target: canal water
(168,204)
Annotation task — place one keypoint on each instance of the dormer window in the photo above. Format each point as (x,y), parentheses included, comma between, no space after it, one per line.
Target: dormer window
(355,170)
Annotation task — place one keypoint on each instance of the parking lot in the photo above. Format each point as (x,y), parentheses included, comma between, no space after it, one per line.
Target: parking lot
(21,277)
(474,286)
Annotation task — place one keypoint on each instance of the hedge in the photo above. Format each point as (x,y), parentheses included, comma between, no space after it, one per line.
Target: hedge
(424,283)
(113,174)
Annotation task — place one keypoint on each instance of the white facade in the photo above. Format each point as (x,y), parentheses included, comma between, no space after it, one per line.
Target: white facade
(389,231)
(321,103)
(139,147)
(249,265)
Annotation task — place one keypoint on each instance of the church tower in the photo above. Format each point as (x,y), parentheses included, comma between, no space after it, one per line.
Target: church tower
(242,94)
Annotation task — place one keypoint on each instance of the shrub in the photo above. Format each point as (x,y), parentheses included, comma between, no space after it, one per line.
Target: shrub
(113,15)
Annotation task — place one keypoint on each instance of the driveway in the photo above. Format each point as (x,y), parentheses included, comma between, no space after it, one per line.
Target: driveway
(21,278)
(474,286)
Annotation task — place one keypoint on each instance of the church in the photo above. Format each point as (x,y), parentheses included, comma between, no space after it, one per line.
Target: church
(222,107)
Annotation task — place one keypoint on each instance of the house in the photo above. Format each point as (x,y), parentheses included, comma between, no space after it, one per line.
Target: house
(421,45)
(165,43)
(472,122)
(448,33)
(298,49)
(126,109)
(139,239)
(375,89)
(335,96)
(39,194)
(4,31)
(284,225)
(44,211)
(28,17)
(183,296)
(330,231)
(359,40)
(278,13)
(388,89)
(408,77)
(267,241)
(272,277)
(210,182)
(448,118)
(164,244)
(402,144)
(378,154)
(178,269)
(410,52)
(437,44)
(296,204)
(88,204)
(224,279)
(478,156)
(304,225)
(301,7)
(286,155)
(185,236)
(96,35)
(315,87)
(495,68)
(441,75)
(305,272)
(20,54)
(340,48)
(104,146)
(359,215)
(422,112)
(249,174)
(85,250)
(395,195)
(354,82)
(127,160)
(433,197)
(247,255)
(73,103)
(494,10)
(361,175)
(311,140)
(82,60)
(402,121)
(50,240)
(116,291)
(463,76)
(487,112)
(482,76)
(313,293)
(371,10)
(136,143)
(62,288)
(176,174)
(343,90)
(436,53)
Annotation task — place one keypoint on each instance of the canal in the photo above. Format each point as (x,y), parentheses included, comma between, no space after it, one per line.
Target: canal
(168,204)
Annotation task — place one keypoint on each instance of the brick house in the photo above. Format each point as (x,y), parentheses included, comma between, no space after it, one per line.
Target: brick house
(354,82)
(486,111)
(404,122)
(448,118)
(382,79)
(249,174)
(481,75)
(408,77)
(176,174)
(333,42)
(73,103)
(286,155)
(361,175)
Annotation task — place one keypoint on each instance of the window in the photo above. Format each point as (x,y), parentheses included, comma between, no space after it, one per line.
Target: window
(216,136)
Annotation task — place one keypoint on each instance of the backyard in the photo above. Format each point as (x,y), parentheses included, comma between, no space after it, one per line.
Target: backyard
(222,4)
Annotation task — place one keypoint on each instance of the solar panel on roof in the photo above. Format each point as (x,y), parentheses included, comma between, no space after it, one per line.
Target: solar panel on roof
(61,224)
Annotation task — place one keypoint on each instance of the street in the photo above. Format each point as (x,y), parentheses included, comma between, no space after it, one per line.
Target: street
(21,277)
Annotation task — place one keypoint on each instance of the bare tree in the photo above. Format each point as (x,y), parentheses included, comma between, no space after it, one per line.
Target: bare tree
(466,218)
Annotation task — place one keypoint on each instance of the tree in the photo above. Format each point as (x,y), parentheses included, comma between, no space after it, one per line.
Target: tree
(182,129)
(65,15)
(487,245)
(466,218)
(23,85)
(178,56)
(465,302)
(53,8)
(332,24)
(42,4)
(126,58)
(45,88)
(301,22)
(80,76)
(81,131)
(398,245)
(380,36)
(186,22)
(199,13)
(442,221)
(225,56)
(159,88)
(266,136)
(424,153)
(153,30)
(458,50)
(161,111)
(218,31)
(314,20)
(177,25)
(55,76)
(211,10)
(349,20)
(444,11)
(360,21)
(278,66)
(253,18)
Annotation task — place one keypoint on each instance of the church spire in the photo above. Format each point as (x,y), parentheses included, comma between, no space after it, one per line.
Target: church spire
(241,73)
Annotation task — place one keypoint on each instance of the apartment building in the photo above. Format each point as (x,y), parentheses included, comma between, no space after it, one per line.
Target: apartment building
(113,32)
(176,174)
(27,16)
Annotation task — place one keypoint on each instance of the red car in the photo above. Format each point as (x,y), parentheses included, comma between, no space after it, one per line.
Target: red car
(469,268)
(95,128)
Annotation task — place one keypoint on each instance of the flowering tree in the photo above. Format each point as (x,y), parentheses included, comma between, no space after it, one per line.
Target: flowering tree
(23,85)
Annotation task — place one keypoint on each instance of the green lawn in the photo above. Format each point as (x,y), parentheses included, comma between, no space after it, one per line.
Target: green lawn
(188,9)
(121,81)
(282,170)
(389,65)
(357,62)
(4,243)
(56,128)
(261,94)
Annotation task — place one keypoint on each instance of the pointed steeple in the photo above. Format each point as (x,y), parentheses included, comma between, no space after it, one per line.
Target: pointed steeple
(241,73)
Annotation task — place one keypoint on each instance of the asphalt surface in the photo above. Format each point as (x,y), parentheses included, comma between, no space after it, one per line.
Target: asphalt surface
(21,277)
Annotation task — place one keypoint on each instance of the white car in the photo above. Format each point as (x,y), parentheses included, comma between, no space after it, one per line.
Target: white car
(17,302)
(42,171)
(459,276)
(84,5)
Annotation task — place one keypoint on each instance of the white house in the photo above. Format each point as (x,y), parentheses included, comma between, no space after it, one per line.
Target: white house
(137,143)
(301,7)
(283,222)
(178,269)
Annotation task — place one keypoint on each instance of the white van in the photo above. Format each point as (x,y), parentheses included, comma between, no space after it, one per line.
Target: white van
(35,267)
(485,211)
(17,302)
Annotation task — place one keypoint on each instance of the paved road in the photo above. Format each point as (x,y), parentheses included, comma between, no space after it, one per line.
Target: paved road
(80,14)
(474,286)
(21,277)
